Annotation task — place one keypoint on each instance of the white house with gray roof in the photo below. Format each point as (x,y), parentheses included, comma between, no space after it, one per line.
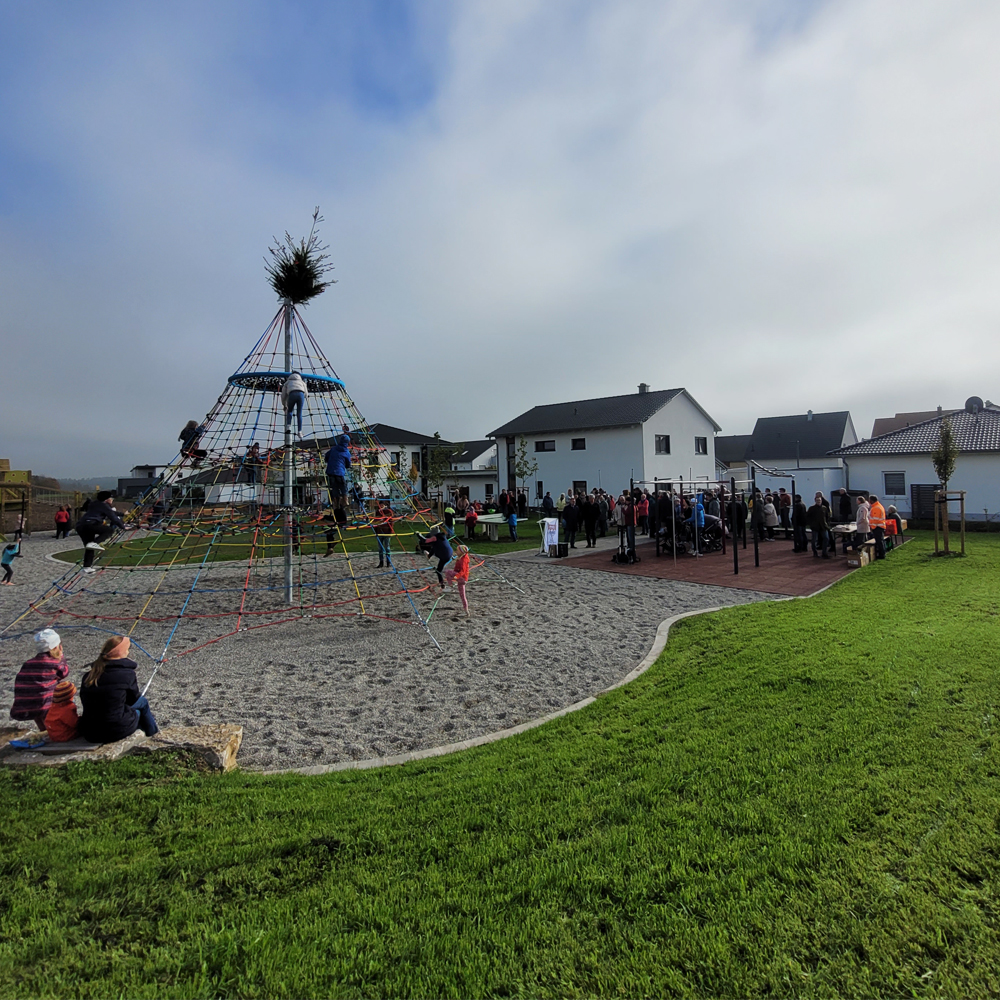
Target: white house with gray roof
(897,466)
(800,447)
(663,434)
(474,471)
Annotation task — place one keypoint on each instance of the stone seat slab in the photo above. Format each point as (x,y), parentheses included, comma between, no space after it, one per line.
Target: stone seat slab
(217,745)
(100,751)
(69,746)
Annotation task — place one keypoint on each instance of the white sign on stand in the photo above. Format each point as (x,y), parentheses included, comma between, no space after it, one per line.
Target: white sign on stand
(550,533)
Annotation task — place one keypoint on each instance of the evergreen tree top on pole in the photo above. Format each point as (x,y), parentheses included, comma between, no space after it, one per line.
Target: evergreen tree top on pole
(296,269)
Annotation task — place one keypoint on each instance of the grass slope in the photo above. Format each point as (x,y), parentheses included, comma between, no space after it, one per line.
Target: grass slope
(798,799)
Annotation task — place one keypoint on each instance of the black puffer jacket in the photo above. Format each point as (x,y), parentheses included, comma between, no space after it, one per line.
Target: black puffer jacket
(571,516)
(107,712)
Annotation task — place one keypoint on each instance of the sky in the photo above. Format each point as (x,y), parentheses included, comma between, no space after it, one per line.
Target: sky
(780,206)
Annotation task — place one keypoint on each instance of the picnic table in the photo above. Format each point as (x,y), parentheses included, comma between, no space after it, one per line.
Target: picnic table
(492,523)
(846,532)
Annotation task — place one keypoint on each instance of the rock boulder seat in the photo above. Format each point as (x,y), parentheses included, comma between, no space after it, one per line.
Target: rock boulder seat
(217,745)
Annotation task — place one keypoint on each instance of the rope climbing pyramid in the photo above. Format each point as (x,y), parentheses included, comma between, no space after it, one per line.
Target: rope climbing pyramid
(280,506)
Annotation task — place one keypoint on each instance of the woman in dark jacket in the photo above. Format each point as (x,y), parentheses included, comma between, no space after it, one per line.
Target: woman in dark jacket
(112,705)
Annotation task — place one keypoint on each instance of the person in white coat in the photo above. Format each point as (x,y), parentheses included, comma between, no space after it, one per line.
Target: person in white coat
(293,397)
(861,522)
(771,519)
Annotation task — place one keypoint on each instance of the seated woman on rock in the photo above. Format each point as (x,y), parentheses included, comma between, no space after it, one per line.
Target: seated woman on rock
(112,705)
(36,681)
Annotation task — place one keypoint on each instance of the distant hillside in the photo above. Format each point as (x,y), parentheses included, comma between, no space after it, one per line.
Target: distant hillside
(86,485)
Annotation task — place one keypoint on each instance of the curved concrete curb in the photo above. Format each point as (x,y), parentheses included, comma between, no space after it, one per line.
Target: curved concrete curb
(51,556)
(406,758)
(659,643)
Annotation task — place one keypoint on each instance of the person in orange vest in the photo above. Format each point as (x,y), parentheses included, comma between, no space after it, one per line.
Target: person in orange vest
(876,520)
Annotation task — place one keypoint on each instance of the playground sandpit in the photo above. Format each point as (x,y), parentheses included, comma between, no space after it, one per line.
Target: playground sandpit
(327,690)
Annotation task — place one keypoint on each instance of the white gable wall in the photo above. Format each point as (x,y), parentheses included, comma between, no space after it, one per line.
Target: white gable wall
(683,421)
(787,463)
(610,457)
(476,483)
(808,482)
(977,473)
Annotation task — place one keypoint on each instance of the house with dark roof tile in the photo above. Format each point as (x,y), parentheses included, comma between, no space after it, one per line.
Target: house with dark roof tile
(794,447)
(883,425)
(660,434)
(898,468)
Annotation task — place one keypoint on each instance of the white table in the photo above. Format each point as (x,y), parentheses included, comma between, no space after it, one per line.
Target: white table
(492,522)
(846,532)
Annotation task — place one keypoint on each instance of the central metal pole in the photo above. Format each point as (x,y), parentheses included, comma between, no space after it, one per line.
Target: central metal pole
(289,485)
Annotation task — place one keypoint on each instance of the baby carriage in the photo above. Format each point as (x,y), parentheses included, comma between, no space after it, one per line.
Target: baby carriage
(710,537)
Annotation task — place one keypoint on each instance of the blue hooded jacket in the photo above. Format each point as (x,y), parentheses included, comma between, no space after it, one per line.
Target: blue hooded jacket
(700,510)
(338,458)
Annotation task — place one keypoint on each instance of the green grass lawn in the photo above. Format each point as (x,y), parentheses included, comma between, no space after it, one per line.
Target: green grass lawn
(178,550)
(798,799)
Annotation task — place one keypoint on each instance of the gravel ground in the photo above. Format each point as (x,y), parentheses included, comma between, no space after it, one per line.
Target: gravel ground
(323,690)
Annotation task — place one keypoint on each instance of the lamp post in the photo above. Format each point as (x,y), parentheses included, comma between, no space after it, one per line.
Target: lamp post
(288,490)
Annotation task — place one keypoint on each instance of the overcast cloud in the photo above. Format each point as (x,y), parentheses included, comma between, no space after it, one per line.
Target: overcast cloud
(780,206)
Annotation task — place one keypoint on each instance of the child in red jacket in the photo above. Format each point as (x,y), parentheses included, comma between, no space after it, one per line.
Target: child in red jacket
(458,573)
(62,722)
(471,517)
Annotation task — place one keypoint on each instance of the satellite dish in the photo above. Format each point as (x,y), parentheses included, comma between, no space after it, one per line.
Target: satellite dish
(973,404)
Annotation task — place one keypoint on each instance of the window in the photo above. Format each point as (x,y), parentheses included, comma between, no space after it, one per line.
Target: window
(895,484)
(662,444)
(578,444)
(415,460)
(701,446)
(394,458)
(489,489)
(545,446)
(538,490)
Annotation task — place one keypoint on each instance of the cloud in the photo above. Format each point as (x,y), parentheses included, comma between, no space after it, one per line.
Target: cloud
(779,206)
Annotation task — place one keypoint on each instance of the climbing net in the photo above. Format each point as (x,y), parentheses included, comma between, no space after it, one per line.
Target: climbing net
(203,554)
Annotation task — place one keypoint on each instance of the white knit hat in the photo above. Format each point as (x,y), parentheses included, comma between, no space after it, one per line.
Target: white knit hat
(47,639)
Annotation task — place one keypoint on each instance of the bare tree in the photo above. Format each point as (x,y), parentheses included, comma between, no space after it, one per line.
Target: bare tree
(945,458)
(525,468)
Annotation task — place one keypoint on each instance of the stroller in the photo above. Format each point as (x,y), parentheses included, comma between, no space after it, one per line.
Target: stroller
(665,540)
(710,537)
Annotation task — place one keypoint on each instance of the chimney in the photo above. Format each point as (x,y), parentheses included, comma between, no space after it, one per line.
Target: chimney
(809,414)
(939,409)
(643,388)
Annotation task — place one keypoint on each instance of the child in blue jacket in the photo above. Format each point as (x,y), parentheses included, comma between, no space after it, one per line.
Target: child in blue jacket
(10,553)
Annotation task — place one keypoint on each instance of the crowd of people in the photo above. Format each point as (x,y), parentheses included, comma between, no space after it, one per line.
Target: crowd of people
(870,521)
(113,707)
(696,521)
